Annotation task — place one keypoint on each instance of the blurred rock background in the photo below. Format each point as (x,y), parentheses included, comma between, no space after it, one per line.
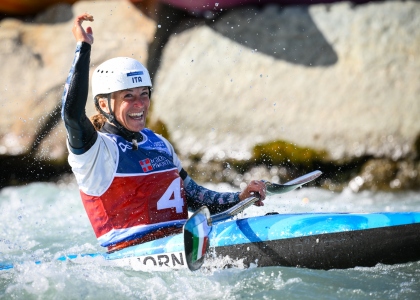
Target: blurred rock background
(243,89)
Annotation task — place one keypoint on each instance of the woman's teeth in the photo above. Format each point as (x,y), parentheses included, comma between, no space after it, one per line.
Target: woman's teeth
(136,115)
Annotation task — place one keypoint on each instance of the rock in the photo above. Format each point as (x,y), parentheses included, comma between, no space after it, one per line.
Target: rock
(387,175)
(336,79)
(339,78)
(206,7)
(36,58)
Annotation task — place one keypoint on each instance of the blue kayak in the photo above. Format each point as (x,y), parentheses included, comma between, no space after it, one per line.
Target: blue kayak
(309,240)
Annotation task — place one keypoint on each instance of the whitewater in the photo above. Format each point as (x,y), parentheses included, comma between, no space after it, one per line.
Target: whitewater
(43,221)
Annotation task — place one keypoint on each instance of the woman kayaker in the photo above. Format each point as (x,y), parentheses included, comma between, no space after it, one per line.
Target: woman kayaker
(131,181)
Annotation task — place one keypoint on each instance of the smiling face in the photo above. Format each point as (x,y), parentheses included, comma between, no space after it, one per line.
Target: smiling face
(130,107)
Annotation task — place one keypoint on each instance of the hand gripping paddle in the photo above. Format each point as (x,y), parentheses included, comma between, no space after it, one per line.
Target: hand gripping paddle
(199,225)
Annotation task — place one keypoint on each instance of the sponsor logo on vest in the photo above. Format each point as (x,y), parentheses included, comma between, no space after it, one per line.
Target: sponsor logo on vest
(160,161)
(163,260)
(154,163)
(159,144)
(146,165)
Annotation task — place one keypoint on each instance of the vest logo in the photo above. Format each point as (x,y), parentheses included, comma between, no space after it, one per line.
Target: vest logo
(124,147)
(160,162)
(146,165)
(159,144)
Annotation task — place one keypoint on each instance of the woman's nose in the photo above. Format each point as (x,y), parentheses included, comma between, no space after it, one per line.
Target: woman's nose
(138,100)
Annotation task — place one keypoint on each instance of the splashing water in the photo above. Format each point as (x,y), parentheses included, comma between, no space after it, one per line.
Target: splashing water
(43,221)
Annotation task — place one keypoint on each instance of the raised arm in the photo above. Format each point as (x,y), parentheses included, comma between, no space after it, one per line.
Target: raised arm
(80,131)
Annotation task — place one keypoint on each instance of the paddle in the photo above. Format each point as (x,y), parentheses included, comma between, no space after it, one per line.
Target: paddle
(196,237)
(198,227)
(274,188)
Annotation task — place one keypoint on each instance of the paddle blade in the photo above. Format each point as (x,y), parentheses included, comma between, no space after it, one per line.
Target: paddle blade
(273,188)
(196,238)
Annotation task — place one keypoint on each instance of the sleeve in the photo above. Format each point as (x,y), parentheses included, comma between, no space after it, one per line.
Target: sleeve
(197,195)
(95,169)
(81,134)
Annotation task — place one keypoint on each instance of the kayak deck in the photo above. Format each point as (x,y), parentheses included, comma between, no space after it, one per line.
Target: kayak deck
(310,240)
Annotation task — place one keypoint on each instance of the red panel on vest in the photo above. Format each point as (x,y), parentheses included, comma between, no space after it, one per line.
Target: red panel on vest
(133,201)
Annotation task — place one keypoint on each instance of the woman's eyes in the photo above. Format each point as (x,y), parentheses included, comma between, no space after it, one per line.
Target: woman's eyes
(143,94)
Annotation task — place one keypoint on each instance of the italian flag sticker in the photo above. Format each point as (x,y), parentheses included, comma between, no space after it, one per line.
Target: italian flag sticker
(200,241)
(196,238)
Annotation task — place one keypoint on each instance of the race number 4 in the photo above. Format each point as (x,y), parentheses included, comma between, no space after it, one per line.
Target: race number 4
(172,197)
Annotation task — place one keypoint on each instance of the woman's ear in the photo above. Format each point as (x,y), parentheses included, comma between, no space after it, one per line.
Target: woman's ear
(103,104)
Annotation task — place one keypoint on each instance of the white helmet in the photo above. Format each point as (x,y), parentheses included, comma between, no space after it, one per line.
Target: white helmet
(118,74)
